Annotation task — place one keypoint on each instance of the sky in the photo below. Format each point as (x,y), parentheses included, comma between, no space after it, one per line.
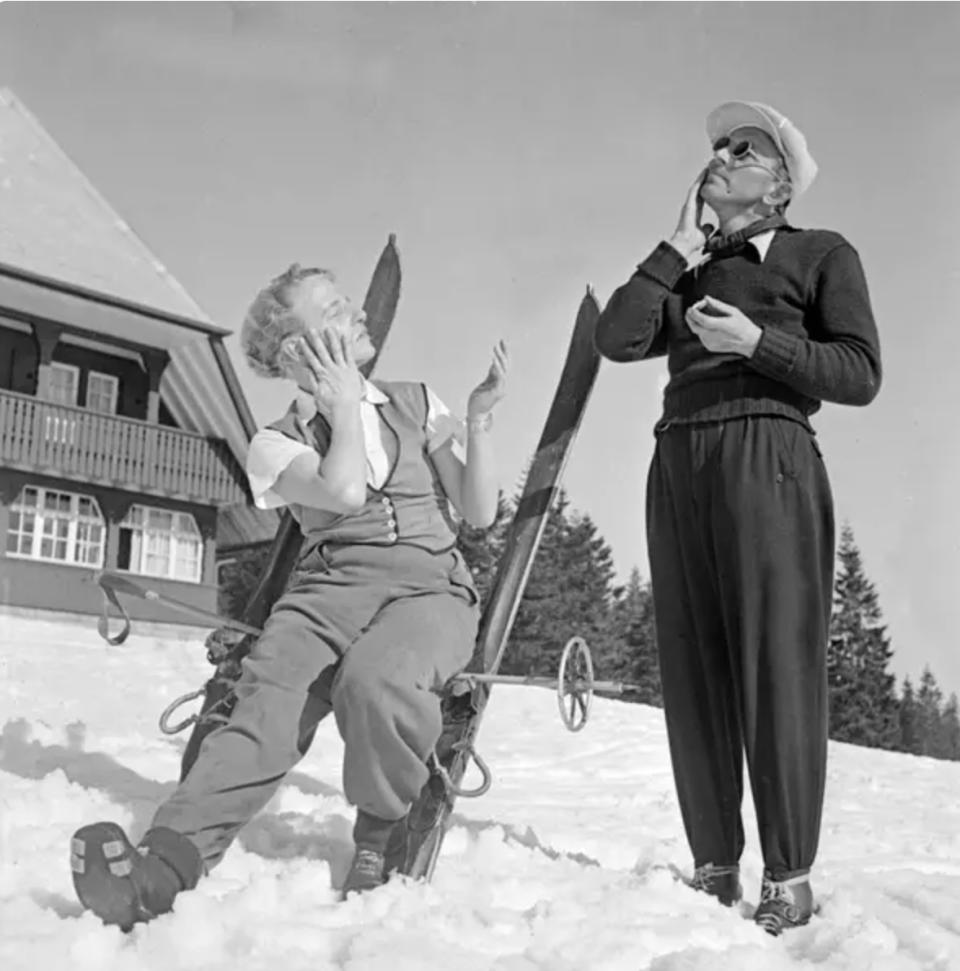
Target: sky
(522,152)
(569,863)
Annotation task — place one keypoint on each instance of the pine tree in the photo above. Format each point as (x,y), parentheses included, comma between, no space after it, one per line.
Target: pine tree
(483,548)
(909,740)
(950,729)
(568,593)
(863,703)
(929,716)
(239,578)
(635,659)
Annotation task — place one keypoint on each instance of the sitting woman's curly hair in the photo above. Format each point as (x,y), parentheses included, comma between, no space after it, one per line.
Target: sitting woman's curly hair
(270,321)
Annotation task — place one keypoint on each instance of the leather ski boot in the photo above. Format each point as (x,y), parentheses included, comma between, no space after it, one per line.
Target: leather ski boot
(784,904)
(125,884)
(722,882)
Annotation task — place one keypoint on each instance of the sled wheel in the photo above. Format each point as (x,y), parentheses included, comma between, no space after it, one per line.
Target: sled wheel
(575,684)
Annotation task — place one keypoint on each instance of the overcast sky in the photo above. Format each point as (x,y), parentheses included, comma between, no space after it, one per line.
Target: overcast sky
(520,152)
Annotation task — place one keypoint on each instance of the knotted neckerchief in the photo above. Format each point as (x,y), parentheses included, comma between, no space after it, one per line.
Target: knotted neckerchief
(719,246)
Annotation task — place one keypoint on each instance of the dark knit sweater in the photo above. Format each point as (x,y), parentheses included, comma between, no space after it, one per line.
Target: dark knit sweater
(809,296)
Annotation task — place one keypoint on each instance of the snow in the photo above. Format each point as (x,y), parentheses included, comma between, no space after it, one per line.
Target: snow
(568,863)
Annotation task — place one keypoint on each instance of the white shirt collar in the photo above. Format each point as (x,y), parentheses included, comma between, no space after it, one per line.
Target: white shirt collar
(761,243)
(373,394)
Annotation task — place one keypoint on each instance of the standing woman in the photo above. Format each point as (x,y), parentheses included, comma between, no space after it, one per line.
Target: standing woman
(760,323)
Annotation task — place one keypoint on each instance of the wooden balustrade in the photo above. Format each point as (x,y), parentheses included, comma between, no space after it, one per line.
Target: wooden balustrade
(88,446)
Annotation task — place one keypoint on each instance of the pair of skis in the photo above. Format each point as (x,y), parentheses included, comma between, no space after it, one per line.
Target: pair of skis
(463,711)
(463,707)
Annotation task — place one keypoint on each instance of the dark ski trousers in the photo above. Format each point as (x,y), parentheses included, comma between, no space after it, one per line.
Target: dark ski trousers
(740,530)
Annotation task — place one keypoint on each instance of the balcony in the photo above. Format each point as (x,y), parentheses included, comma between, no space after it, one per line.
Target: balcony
(73,443)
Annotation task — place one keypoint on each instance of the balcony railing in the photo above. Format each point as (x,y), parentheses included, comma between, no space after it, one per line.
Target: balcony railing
(74,443)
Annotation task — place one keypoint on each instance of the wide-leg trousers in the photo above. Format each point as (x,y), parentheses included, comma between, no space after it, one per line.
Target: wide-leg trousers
(740,531)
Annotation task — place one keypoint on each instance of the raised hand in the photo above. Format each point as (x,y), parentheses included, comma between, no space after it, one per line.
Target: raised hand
(334,379)
(690,235)
(493,387)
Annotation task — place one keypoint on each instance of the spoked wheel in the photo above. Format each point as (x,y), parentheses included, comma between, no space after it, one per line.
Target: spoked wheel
(575,684)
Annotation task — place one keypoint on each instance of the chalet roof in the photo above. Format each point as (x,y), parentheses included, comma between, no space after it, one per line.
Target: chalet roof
(67,256)
(57,225)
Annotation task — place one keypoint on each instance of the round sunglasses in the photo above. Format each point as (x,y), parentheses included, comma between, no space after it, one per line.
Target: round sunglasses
(743,153)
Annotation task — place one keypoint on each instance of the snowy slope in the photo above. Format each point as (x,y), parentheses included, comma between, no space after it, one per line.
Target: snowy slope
(565,865)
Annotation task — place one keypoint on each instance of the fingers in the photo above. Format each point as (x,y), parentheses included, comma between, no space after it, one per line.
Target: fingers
(497,375)
(315,353)
(316,342)
(493,387)
(693,203)
(346,349)
(696,318)
(715,304)
(334,342)
(501,359)
(711,308)
(693,193)
(707,229)
(331,347)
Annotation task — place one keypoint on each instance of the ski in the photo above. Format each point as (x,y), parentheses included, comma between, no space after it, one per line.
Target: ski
(462,712)
(225,648)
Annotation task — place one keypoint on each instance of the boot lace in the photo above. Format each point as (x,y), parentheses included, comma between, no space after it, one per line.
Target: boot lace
(369,863)
(772,892)
(705,876)
(778,908)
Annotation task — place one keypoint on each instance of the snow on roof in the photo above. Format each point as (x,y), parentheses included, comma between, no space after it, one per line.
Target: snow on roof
(57,232)
(56,224)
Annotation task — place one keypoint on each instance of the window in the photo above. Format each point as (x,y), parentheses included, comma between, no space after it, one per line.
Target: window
(62,527)
(64,380)
(102,392)
(160,543)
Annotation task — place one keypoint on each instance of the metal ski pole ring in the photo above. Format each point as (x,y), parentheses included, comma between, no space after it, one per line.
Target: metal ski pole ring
(485,773)
(575,684)
(165,725)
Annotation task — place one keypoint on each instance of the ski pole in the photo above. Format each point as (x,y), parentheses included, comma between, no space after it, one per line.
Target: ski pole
(113,583)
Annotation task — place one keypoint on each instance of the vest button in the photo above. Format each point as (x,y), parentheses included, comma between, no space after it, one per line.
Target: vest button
(386,500)
(391,536)
(391,523)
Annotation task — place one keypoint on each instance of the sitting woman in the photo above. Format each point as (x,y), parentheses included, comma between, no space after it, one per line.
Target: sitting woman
(383,612)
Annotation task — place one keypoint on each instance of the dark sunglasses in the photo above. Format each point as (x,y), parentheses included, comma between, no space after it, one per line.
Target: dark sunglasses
(742,152)
(741,148)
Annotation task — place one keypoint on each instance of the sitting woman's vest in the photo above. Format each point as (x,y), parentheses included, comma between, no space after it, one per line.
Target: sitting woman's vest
(410,507)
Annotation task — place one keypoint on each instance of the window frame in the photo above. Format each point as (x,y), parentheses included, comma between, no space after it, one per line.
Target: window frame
(75,540)
(114,382)
(72,368)
(155,543)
